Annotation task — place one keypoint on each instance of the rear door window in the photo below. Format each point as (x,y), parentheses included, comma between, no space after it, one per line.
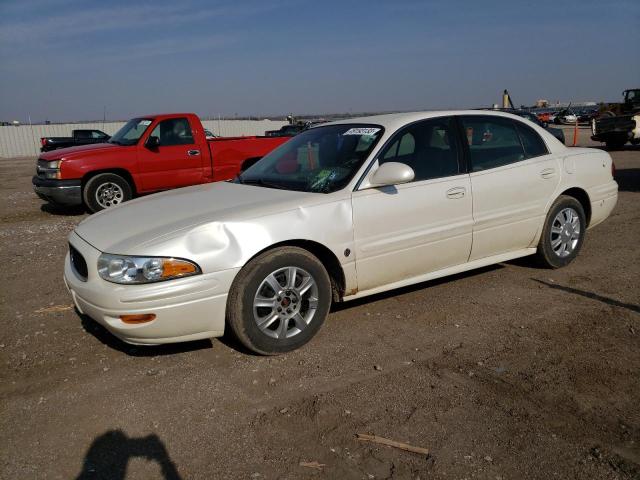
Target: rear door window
(533,144)
(493,142)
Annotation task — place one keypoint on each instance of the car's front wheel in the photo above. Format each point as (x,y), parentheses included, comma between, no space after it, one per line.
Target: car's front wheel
(563,233)
(279,301)
(106,190)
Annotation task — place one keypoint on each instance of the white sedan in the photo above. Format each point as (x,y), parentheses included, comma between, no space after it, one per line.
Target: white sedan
(341,211)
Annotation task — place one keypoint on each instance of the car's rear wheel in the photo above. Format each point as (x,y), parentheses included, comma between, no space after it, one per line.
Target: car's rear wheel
(279,301)
(563,233)
(106,190)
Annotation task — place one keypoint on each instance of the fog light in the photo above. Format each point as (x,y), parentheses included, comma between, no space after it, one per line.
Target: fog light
(141,318)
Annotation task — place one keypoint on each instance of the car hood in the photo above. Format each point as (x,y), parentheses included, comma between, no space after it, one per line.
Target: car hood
(78,151)
(145,225)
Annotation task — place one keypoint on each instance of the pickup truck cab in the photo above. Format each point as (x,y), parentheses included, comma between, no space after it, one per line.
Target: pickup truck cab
(78,137)
(148,154)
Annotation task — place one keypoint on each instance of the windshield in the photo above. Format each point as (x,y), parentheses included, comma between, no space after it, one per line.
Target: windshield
(321,160)
(131,132)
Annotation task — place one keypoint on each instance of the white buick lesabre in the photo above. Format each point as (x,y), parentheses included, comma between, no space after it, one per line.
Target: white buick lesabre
(341,211)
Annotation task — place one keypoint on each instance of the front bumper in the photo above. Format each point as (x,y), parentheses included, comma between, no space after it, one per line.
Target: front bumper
(60,192)
(186,309)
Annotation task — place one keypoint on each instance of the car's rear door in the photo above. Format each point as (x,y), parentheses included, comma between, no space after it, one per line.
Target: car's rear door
(408,230)
(177,161)
(513,177)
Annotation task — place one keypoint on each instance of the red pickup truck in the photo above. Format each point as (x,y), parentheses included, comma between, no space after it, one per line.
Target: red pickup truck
(148,154)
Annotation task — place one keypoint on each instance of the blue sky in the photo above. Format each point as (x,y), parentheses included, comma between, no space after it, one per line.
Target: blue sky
(66,59)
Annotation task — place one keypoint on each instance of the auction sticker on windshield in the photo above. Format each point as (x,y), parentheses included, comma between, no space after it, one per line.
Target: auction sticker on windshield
(362,131)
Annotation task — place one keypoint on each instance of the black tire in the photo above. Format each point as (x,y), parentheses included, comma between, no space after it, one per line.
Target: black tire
(115,183)
(547,256)
(240,302)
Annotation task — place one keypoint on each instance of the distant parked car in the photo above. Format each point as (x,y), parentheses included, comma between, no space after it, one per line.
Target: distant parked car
(341,211)
(586,115)
(78,137)
(565,117)
(287,130)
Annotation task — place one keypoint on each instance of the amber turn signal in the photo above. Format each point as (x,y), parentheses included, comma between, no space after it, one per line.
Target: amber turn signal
(140,318)
(177,268)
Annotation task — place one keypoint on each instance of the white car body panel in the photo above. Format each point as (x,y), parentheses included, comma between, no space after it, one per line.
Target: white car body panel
(382,238)
(398,246)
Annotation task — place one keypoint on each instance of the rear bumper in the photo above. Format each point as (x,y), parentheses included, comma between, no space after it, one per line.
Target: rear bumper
(60,192)
(186,309)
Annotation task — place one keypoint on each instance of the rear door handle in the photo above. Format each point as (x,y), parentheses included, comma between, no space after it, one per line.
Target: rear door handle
(548,173)
(193,153)
(456,192)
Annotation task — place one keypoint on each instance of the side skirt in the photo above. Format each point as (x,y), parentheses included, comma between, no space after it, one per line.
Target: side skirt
(479,263)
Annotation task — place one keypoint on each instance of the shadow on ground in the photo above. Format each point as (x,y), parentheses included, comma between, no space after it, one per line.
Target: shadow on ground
(594,296)
(62,211)
(108,339)
(628,179)
(109,454)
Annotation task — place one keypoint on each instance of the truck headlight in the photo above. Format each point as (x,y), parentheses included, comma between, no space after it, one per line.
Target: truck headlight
(51,169)
(125,269)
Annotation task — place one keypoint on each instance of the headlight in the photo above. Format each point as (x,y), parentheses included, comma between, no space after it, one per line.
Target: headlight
(134,270)
(51,169)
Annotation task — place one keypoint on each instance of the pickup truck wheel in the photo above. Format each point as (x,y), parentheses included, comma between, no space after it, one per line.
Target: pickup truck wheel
(106,190)
(279,301)
(563,233)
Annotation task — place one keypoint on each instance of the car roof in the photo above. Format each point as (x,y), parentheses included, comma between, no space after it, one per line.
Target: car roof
(393,121)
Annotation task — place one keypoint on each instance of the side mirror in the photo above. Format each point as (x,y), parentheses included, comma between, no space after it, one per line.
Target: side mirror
(153,142)
(392,173)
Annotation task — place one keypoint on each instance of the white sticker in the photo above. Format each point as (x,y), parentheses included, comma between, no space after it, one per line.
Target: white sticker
(362,131)
(145,123)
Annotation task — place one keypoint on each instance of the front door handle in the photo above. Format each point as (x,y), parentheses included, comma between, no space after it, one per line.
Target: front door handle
(193,153)
(548,173)
(456,192)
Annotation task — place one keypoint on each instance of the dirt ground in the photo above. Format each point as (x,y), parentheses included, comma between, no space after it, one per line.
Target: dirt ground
(508,372)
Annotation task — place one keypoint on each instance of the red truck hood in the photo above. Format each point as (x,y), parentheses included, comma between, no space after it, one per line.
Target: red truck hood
(81,150)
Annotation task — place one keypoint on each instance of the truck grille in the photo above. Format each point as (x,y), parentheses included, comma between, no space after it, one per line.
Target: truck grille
(78,263)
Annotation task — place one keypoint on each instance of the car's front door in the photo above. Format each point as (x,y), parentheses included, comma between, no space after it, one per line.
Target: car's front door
(513,177)
(408,230)
(176,161)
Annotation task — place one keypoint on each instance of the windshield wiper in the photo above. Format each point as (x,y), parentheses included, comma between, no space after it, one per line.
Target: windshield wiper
(115,142)
(261,182)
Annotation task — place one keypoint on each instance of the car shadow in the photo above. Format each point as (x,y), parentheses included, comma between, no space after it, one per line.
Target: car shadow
(107,338)
(338,307)
(63,211)
(109,454)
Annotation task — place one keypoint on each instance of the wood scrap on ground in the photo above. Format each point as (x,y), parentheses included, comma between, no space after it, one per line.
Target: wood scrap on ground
(314,464)
(364,437)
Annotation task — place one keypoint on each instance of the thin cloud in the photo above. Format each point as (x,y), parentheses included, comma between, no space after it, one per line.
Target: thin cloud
(84,22)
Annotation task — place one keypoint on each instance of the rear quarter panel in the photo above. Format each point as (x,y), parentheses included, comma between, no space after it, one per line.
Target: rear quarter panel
(590,169)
